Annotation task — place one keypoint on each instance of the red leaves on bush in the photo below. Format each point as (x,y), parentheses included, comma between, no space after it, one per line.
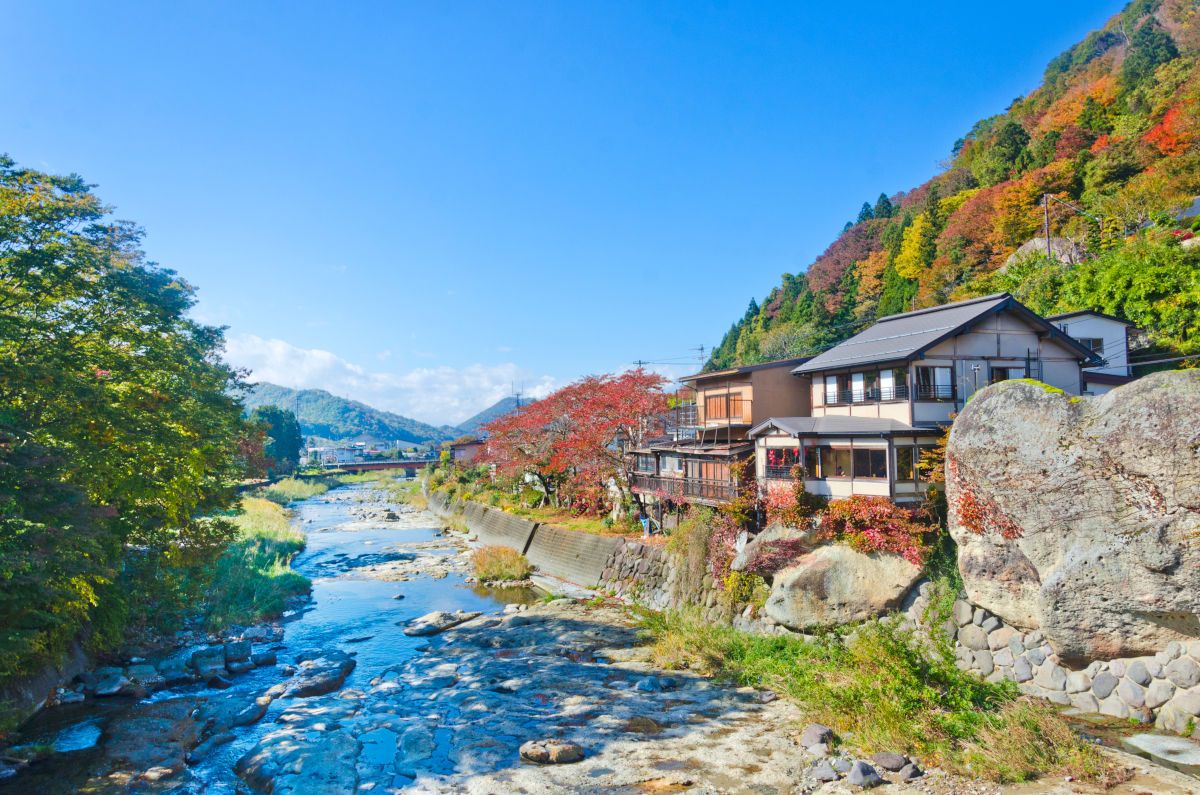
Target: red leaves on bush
(876,524)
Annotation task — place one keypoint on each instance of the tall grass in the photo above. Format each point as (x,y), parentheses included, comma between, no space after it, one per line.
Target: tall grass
(890,691)
(253,577)
(496,564)
(294,489)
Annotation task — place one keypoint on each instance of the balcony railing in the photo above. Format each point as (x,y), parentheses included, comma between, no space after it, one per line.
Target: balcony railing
(685,416)
(935,392)
(779,472)
(873,395)
(701,489)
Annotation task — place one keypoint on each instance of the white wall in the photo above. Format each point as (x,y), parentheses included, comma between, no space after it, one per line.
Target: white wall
(1116,347)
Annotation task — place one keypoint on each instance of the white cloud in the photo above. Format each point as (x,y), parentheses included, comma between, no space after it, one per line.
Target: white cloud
(384,355)
(430,394)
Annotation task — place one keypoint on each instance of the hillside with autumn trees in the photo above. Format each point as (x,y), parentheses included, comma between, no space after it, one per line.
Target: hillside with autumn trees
(1112,130)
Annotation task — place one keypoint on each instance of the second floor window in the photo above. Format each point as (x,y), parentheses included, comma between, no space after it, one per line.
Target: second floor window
(723,407)
(935,383)
(645,463)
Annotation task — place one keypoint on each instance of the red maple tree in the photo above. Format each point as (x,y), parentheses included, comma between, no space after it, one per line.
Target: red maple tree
(575,441)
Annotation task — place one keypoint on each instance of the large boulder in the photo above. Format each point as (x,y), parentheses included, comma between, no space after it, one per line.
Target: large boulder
(803,538)
(835,584)
(1077,516)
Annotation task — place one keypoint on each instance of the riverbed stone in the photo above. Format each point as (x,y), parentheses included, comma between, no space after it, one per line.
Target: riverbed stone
(910,771)
(1022,670)
(1078,682)
(438,621)
(823,771)
(551,752)
(1051,677)
(1131,693)
(1103,684)
(321,674)
(1035,655)
(973,637)
(1183,672)
(999,638)
(237,651)
(1188,702)
(816,733)
(984,662)
(1085,702)
(1114,707)
(961,613)
(1136,672)
(889,760)
(1159,693)
(863,775)
(1003,658)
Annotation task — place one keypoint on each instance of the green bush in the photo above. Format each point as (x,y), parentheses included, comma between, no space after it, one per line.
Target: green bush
(495,564)
(889,690)
(294,489)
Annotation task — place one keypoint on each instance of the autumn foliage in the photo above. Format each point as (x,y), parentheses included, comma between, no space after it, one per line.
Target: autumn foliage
(574,441)
(876,524)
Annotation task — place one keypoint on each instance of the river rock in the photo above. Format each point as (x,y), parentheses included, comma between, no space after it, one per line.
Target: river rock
(1086,512)
(835,584)
(823,771)
(551,752)
(804,538)
(815,734)
(438,621)
(863,775)
(238,651)
(1183,672)
(889,760)
(320,675)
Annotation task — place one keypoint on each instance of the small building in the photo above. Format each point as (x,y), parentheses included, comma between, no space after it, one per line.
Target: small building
(466,451)
(1108,338)
(710,435)
(880,397)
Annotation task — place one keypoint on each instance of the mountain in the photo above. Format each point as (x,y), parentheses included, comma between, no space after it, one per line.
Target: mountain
(1111,133)
(329,418)
(501,406)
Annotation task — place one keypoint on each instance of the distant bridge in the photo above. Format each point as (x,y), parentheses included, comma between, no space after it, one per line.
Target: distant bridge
(365,466)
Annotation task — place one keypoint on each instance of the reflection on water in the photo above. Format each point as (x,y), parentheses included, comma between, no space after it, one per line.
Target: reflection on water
(346,610)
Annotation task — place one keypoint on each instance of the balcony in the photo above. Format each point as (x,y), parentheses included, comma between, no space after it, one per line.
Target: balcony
(681,488)
(685,416)
(874,395)
(935,392)
(779,472)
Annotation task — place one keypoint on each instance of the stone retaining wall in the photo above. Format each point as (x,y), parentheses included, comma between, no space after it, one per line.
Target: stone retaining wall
(1163,688)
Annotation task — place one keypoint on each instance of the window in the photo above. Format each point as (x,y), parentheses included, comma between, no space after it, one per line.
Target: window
(870,463)
(935,383)
(1094,344)
(905,466)
(723,407)
(812,462)
(921,450)
(671,465)
(831,389)
(1006,374)
(837,462)
(645,463)
(780,461)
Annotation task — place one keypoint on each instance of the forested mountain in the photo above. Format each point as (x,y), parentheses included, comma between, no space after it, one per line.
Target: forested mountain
(329,418)
(1112,130)
(501,406)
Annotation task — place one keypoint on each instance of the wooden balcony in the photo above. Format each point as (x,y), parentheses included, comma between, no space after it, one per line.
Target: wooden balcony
(709,492)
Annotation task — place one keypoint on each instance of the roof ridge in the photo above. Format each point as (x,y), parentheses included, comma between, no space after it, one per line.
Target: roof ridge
(941,307)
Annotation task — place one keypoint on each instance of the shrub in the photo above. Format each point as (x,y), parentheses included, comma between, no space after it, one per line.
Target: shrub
(293,489)
(887,689)
(494,564)
(876,524)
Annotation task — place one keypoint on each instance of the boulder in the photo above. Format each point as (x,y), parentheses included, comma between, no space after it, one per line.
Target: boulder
(805,538)
(551,752)
(1072,515)
(320,675)
(438,621)
(835,584)
(816,734)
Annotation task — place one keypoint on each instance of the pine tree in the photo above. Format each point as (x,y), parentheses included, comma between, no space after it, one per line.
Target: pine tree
(866,213)
(883,207)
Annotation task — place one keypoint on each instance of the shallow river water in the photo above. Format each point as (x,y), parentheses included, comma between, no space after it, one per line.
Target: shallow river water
(348,610)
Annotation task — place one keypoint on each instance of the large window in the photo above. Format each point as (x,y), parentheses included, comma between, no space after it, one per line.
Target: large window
(780,461)
(870,463)
(908,464)
(824,461)
(645,463)
(671,465)
(935,383)
(707,470)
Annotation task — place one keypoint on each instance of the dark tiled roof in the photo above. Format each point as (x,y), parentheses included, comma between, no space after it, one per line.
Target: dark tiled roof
(903,337)
(834,426)
(747,369)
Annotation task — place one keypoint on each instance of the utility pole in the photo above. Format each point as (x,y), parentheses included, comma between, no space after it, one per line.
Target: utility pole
(1046,222)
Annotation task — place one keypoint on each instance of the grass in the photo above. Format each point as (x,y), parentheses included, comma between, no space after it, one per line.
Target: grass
(499,564)
(294,489)
(884,689)
(253,578)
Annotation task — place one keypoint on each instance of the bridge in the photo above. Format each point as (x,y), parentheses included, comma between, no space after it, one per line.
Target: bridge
(412,465)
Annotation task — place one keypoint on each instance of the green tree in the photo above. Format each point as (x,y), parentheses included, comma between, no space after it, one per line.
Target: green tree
(283,440)
(883,207)
(1149,47)
(866,213)
(127,406)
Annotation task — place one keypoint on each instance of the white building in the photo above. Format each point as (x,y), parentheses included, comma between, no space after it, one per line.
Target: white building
(1107,337)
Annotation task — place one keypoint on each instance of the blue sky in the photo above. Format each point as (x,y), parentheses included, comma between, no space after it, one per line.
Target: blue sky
(418,204)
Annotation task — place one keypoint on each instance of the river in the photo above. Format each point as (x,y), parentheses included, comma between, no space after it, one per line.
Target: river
(348,610)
